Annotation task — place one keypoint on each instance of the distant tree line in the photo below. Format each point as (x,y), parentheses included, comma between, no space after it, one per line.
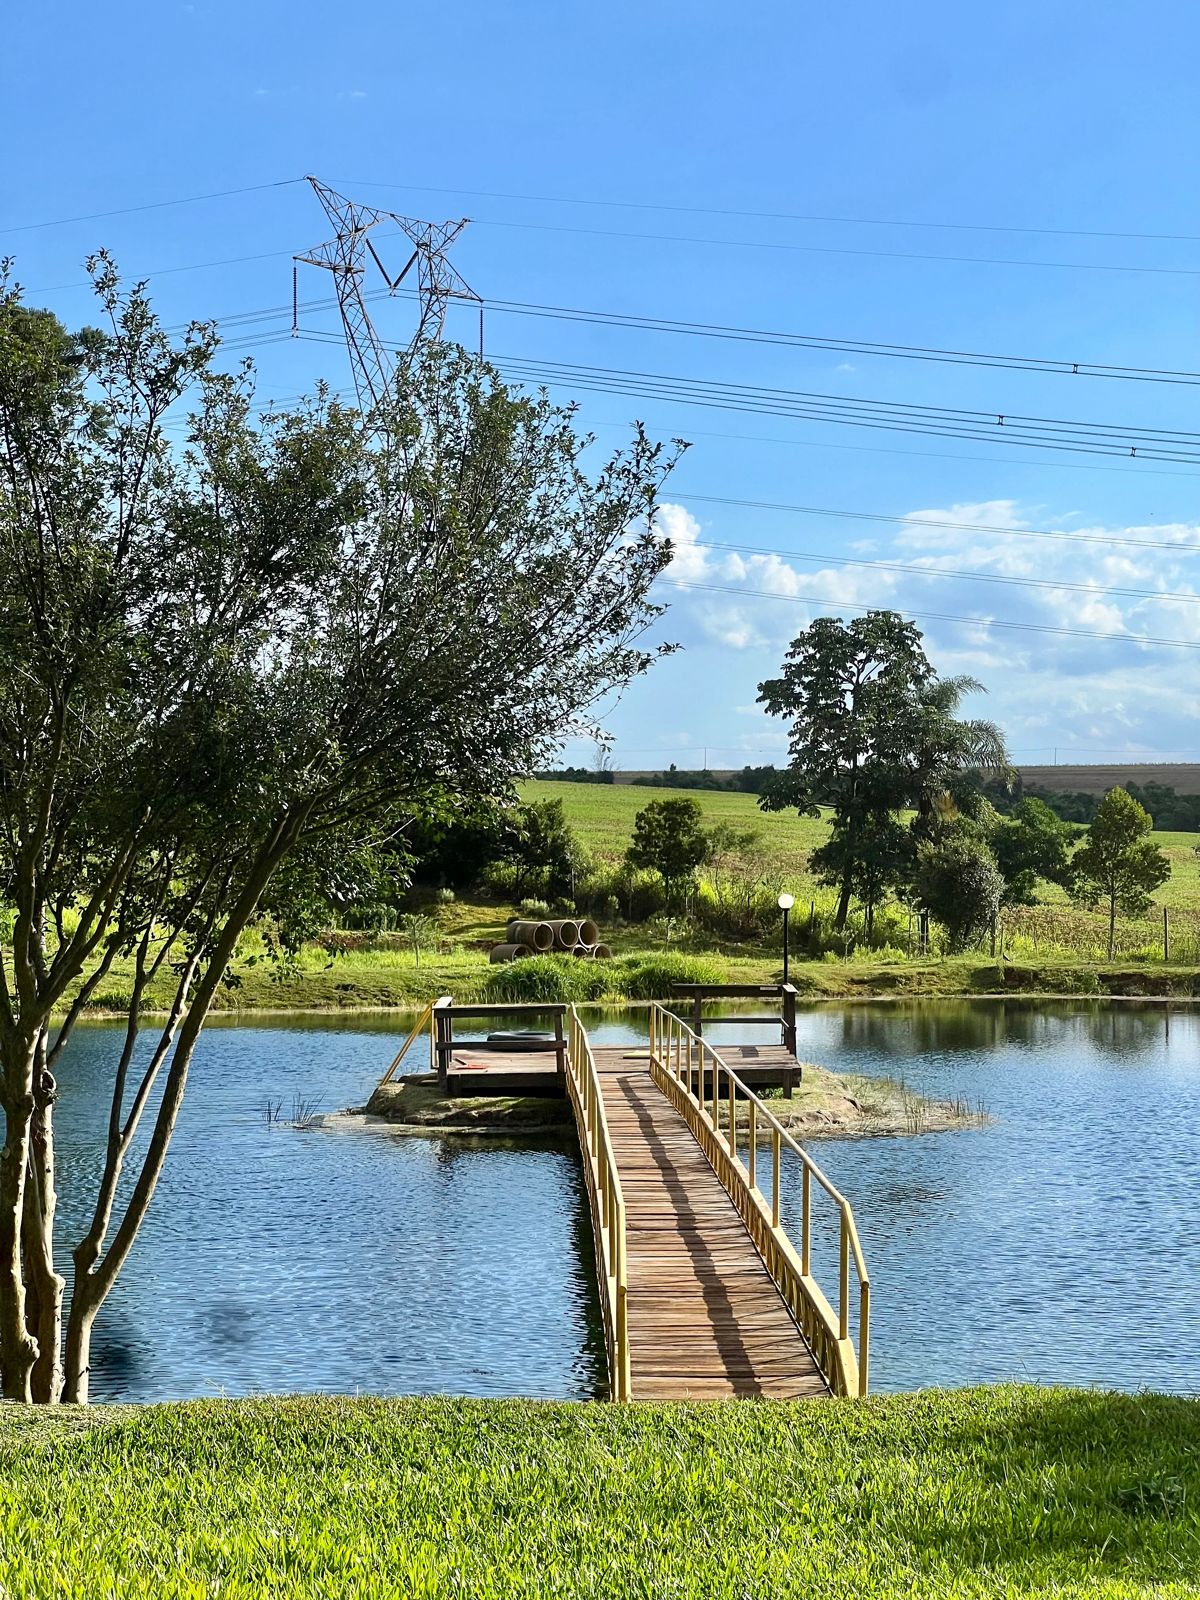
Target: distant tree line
(1172,812)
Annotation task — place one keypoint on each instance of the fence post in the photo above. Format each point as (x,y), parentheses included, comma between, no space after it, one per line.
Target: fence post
(789,1018)
(1166,937)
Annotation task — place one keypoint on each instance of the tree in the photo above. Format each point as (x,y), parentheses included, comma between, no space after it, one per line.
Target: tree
(542,846)
(668,839)
(1031,844)
(873,731)
(1119,865)
(959,884)
(232,675)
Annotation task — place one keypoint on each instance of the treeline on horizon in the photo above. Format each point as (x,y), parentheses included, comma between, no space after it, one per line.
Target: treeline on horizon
(1172,812)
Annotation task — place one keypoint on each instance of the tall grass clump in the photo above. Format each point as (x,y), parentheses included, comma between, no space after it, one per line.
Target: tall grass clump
(650,977)
(548,980)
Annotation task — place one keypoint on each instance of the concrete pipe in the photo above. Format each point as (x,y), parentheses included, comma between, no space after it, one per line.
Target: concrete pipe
(589,933)
(566,933)
(602,953)
(509,952)
(583,952)
(538,934)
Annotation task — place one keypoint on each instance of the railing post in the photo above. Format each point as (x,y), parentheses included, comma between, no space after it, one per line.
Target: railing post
(806,1219)
(844,1281)
(775,1178)
(789,1018)
(753,1156)
(864,1337)
(732,1118)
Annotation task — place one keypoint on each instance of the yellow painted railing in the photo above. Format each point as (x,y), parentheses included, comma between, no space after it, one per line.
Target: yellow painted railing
(425,1020)
(605,1198)
(706,1091)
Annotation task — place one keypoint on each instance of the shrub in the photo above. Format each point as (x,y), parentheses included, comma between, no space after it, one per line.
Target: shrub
(549,980)
(651,977)
(534,909)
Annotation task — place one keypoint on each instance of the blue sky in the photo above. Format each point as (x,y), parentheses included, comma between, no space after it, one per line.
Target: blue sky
(639,137)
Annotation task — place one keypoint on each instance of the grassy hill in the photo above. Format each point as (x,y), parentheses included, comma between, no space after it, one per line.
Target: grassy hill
(602,816)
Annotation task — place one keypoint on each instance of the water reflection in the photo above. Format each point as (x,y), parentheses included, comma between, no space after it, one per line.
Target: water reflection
(1060,1244)
(277,1260)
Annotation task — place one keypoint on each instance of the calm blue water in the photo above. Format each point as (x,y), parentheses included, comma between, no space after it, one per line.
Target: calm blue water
(1059,1244)
(280,1260)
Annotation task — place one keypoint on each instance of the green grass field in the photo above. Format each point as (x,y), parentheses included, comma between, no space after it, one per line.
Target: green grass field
(602,816)
(988,1492)
(1053,948)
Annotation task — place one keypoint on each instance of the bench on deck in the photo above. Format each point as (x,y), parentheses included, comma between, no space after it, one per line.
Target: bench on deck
(499,1065)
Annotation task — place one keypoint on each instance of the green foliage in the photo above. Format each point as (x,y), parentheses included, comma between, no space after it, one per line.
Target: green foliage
(959,884)
(650,977)
(548,978)
(1119,864)
(668,838)
(1031,844)
(542,849)
(1024,1493)
(872,731)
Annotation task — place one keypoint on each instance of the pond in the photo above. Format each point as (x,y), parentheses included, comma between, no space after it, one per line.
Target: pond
(1059,1244)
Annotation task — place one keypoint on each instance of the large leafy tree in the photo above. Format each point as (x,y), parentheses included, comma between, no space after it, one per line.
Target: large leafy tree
(1119,866)
(1031,845)
(873,731)
(958,882)
(232,674)
(669,838)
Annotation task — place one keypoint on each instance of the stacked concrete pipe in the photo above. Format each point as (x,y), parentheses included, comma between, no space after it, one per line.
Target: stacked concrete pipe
(577,936)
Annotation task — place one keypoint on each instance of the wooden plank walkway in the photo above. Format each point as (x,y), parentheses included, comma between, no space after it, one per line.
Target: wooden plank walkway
(706,1320)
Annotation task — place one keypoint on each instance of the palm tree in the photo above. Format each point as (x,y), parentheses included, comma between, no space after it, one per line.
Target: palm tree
(946,748)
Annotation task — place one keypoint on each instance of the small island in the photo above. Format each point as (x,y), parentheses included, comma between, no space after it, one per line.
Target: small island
(823,1104)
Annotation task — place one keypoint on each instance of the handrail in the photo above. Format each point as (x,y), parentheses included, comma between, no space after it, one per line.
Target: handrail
(425,1019)
(680,1064)
(605,1198)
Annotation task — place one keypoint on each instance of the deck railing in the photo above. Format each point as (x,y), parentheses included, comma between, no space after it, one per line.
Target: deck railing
(706,1091)
(425,1020)
(604,1196)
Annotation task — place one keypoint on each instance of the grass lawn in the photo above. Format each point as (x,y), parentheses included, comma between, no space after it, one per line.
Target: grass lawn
(987,1492)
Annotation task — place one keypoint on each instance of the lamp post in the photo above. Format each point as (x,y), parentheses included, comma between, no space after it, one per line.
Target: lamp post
(786,902)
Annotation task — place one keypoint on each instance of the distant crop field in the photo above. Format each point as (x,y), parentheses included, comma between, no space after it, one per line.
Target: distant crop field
(1183,777)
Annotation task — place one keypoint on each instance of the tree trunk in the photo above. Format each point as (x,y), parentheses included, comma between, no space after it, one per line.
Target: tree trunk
(44,1285)
(843,905)
(18,1351)
(93,1283)
(1112,925)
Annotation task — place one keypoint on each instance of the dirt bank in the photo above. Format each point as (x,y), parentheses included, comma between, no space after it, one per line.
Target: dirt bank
(824,1104)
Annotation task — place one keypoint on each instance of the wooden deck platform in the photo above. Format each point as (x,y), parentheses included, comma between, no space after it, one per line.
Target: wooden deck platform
(706,1320)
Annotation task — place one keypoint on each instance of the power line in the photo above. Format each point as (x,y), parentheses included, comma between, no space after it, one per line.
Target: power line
(941,616)
(150,205)
(1054,365)
(894,416)
(840,561)
(776,216)
(834,250)
(937,522)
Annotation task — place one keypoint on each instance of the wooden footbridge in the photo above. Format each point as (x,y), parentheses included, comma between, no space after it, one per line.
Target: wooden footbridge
(704,1294)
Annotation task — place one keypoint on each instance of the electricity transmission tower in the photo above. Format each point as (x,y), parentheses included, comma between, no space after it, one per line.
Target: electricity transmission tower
(345,256)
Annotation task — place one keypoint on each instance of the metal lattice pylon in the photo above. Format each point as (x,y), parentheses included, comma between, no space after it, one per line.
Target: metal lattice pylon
(345,256)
